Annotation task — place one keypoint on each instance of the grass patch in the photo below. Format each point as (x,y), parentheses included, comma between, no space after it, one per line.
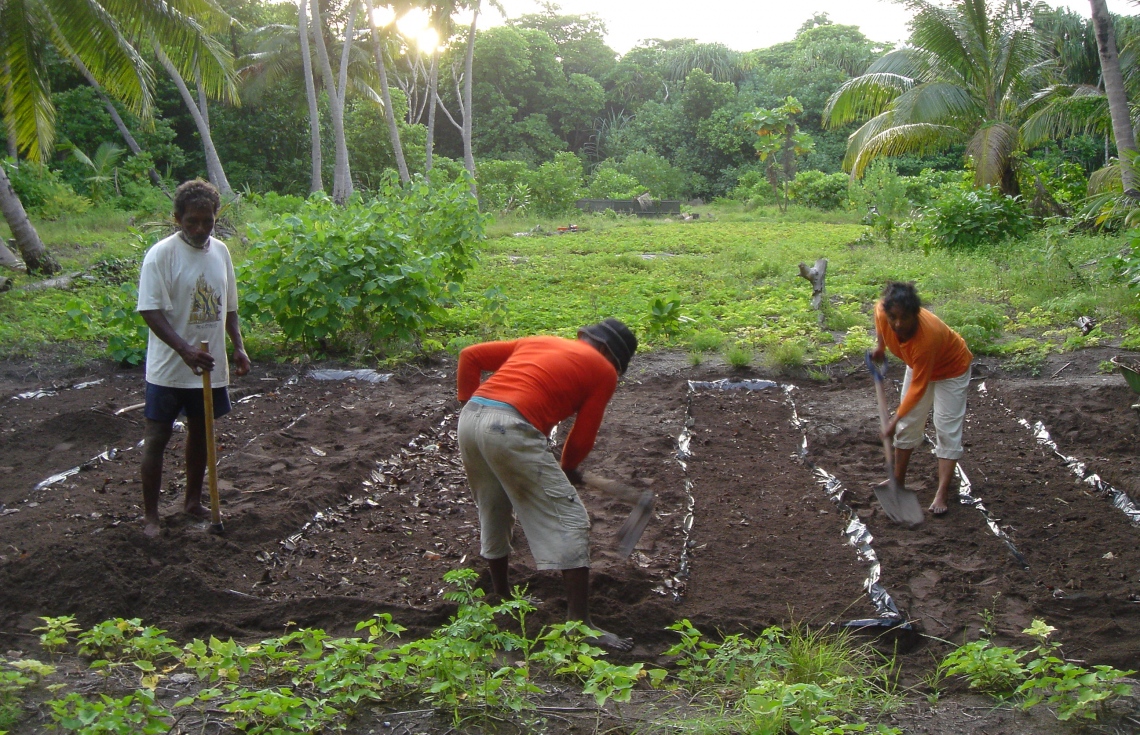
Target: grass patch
(738,356)
(732,272)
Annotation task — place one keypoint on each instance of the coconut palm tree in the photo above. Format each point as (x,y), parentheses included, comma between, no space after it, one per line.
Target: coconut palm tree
(1116,94)
(105,36)
(962,78)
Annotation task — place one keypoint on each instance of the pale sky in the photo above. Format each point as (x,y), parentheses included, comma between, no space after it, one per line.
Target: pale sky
(743,24)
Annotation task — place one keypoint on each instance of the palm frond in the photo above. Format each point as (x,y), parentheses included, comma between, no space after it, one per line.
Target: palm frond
(906,62)
(863,97)
(936,102)
(85,29)
(992,148)
(27,100)
(866,131)
(1062,113)
(919,138)
(1105,180)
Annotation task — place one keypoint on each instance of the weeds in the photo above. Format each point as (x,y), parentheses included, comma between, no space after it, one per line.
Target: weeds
(1038,675)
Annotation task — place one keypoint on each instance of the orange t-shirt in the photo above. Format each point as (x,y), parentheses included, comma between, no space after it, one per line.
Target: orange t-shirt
(935,352)
(546,379)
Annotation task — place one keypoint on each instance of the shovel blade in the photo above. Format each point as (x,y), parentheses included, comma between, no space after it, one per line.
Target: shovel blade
(630,532)
(900,505)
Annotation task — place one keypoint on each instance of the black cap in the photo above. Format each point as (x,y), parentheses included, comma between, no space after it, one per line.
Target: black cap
(618,340)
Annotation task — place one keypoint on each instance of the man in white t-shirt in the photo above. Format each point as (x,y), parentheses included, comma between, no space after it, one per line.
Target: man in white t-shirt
(187,295)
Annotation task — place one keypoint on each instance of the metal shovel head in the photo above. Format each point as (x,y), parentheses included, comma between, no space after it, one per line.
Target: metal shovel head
(900,505)
(630,532)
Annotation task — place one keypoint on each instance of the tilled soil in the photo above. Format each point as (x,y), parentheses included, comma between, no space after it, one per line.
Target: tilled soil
(342,499)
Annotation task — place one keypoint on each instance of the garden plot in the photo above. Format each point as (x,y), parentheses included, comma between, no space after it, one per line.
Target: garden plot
(343,499)
(1081,567)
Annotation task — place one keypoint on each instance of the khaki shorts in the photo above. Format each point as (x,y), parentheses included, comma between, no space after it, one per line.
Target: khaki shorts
(948,397)
(510,468)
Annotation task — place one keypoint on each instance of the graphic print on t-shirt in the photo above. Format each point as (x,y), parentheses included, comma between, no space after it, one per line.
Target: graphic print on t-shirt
(206,305)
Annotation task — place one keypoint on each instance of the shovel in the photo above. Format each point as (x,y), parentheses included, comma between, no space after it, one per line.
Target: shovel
(211,451)
(901,505)
(641,500)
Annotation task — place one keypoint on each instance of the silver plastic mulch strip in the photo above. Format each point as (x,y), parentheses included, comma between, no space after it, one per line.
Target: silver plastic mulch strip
(61,476)
(1119,499)
(966,497)
(857,533)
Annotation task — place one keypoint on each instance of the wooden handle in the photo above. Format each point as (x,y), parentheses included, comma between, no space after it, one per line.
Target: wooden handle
(613,488)
(888,450)
(211,449)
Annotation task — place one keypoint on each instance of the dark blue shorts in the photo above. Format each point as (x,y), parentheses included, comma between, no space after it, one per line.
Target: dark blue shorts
(164,404)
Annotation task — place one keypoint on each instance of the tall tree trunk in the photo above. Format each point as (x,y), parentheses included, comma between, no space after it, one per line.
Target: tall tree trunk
(433,82)
(342,84)
(32,250)
(124,131)
(342,176)
(213,164)
(468,69)
(316,183)
(386,94)
(1117,97)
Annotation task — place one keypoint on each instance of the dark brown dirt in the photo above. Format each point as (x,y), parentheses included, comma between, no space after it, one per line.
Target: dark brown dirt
(378,463)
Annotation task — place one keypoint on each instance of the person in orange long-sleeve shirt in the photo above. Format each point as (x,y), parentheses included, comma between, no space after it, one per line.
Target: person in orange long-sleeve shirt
(937,374)
(536,383)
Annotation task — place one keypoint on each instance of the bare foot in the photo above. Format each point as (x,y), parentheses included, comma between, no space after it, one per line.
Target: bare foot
(610,641)
(152,528)
(938,507)
(199,511)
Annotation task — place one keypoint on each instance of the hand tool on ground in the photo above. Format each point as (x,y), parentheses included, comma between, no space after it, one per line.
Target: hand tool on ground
(211,450)
(901,505)
(641,500)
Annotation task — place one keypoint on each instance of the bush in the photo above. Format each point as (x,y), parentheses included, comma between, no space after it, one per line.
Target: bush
(272,203)
(42,191)
(922,190)
(136,192)
(882,195)
(556,185)
(655,173)
(503,185)
(819,190)
(967,219)
(609,183)
(979,324)
(381,269)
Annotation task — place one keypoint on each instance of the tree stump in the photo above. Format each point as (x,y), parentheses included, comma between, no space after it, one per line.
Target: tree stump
(8,259)
(815,275)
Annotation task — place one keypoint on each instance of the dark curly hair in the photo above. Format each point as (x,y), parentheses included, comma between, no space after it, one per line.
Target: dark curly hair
(195,193)
(902,295)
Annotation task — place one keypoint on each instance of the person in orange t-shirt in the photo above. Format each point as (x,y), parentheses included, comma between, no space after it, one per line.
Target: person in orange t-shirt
(536,383)
(937,374)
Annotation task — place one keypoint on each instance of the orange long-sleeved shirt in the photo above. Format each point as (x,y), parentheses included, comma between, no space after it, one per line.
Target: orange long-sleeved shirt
(935,352)
(546,379)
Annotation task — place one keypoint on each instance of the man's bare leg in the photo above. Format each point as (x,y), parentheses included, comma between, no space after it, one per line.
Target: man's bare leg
(945,472)
(577,583)
(902,461)
(499,582)
(156,435)
(195,467)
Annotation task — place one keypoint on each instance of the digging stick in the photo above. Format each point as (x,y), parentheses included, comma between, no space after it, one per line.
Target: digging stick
(641,500)
(211,450)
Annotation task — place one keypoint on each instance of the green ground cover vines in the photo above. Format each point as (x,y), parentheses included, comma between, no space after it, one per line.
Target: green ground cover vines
(481,667)
(367,282)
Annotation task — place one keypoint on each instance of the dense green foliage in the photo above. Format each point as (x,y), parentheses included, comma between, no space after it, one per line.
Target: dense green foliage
(380,270)
(968,218)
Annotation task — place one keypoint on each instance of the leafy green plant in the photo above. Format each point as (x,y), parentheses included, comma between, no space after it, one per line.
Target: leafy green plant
(664,316)
(382,269)
(56,632)
(786,354)
(100,168)
(278,711)
(967,219)
(567,651)
(779,142)
(738,356)
(130,715)
(882,194)
(42,191)
(122,639)
(15,678)
(556,185)
(987,668)
(1076,691)
(819,190)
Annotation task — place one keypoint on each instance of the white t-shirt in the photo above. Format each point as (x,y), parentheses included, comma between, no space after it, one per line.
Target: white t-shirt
(195,289)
